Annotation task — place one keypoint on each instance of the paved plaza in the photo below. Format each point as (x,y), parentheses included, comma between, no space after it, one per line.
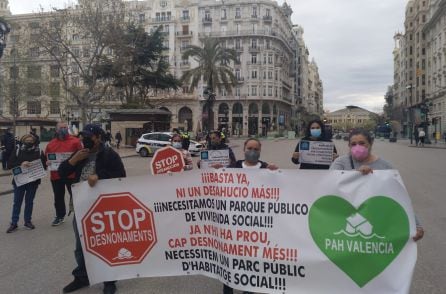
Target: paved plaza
(40,261)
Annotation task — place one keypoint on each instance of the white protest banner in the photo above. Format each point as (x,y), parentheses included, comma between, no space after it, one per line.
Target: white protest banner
(56,159)
(25,175)
(255,230)
(211,157)
(167,159)
(316,152)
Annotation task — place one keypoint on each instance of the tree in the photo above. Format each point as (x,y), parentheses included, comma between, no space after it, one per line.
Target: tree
(213,68)
(77,39)
(138,67)
(4,30)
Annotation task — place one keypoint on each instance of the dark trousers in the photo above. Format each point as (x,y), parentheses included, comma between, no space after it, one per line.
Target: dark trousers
(59,195)
(5,157)
(27,192)
(80,271)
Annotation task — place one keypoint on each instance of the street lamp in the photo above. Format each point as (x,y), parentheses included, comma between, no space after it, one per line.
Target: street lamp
(4,31)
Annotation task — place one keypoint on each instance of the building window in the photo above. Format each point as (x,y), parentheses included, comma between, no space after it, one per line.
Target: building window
(34,72)
(141,18)
(270,90)
(223,92)
(254,43)
(76,52)
(254,12)
(54,71)
(185,14)
(207,15)
(254,74)
(86,52)
(237,74)
(237,44)
(223,13)
(270,75)
(34,89)
(33,107)
(34,52)
(267,12)
(54,107)
(75,37)
(253,90)
(264,90)
(238,13)
(14,72)
(254,58)
(54,89)
(14,107)
(237,92)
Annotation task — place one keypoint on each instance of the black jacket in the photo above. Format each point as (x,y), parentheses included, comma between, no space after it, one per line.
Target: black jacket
(310,165)
(108,166)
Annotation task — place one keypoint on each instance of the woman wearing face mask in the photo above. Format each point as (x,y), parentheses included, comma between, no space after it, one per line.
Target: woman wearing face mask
(314,132)
(177,143)
(22,157)
(361,159)
(252,148)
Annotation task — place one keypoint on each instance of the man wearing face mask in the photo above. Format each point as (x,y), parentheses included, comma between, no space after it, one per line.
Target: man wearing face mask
(92,163)
(314,132)
(62,143)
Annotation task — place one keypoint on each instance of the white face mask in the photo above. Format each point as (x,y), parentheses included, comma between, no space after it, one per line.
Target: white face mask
(177,145)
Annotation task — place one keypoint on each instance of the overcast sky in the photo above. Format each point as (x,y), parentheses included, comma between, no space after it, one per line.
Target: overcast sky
(351,41)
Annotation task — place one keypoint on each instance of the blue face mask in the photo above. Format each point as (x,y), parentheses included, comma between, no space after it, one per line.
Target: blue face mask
(316,133)
(62,133)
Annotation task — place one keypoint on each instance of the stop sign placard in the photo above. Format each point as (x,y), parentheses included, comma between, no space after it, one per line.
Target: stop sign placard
(167,159)
(119,229)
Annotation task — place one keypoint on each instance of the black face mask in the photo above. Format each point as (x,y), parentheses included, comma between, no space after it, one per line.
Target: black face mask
(88,142)
(28,145)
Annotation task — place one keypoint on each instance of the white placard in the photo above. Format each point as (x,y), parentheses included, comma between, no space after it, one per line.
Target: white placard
(254,230)
(211,157)
(56,158)
(25,175)
(316,152)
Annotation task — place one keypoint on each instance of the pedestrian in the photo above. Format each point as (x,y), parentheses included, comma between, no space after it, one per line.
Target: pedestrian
(252,148)
(108,138)
(22,157)
(315,132)
(417,139)
(8,143)
(95,162)
(444,136)
(421,135)
(118,139)
(62,143)
(215,143)
(177,143)
(361,159)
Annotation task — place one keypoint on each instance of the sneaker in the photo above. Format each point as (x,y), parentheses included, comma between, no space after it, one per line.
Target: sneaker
(29,226)
(109,288)
(12,228)
(76,284)
(57,221)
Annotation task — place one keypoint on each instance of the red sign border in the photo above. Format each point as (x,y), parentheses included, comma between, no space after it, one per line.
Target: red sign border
(162,149)
(143,206)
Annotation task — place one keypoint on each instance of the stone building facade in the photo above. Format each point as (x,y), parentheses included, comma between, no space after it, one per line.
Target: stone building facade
(275,80)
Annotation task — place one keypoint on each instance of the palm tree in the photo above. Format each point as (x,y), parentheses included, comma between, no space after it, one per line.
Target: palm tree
(213,67)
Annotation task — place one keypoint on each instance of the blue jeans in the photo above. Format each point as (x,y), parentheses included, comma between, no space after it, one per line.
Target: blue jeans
(27,191)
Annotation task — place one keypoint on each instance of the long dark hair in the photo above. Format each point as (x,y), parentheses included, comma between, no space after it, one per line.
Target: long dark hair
(321,124)
(363,132)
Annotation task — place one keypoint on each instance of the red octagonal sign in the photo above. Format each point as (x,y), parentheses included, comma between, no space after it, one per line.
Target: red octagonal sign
(167,159)
(119,229)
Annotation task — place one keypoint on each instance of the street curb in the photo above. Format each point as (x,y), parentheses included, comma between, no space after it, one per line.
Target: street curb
(127,156)
(6,192)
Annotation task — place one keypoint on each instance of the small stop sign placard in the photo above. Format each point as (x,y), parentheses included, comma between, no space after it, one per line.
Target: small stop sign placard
(119,229)
(167,159)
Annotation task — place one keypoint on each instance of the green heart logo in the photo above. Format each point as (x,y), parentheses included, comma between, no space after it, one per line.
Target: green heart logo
(361,242)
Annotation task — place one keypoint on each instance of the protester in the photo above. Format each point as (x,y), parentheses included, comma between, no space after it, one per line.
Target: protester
(118,139)
(252,149)
(62,143)
(315,132)
(215,143)
(177,143)
(94,162)
(417,139)
(8,145)
(34,133)
(361,159)
(22,157)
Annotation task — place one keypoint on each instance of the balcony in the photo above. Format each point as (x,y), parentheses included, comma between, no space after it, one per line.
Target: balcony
(184,18)
(254,17)
(184,64)
(267,18)
(182,34)
(254,49)
(162,19)
(184,48)
(238,16)
(240,80)
(207,20)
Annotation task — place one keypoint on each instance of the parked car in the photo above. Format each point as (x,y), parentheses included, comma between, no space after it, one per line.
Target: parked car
(195,148)
(148,143)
